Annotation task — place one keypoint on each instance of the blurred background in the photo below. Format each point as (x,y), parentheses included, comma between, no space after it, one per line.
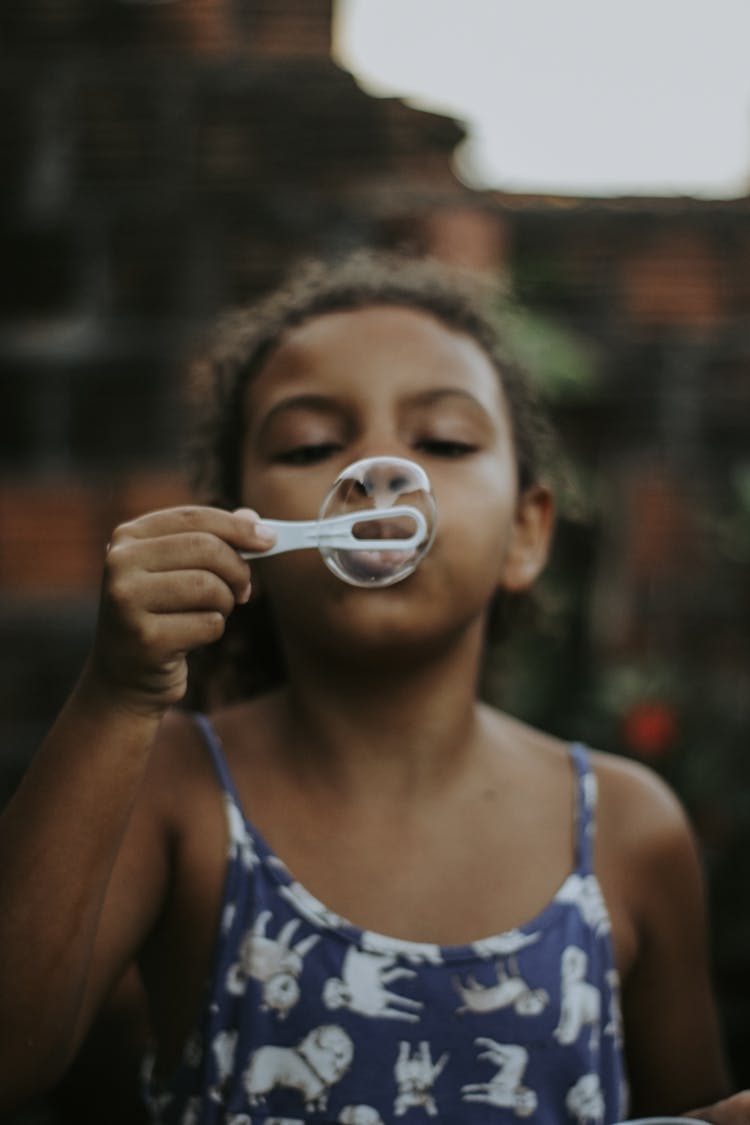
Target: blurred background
(161,160)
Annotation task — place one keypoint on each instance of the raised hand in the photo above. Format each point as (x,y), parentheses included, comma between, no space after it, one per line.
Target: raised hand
(171,579)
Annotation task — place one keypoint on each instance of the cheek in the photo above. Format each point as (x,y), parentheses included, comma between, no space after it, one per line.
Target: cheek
(478,514)
(291,496)
(291,577)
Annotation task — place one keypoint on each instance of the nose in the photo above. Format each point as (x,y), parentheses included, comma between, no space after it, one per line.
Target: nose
(383,482)
(380,440)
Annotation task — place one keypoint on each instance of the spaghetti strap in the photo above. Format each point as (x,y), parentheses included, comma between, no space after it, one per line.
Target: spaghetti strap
(213,743)
(585,807)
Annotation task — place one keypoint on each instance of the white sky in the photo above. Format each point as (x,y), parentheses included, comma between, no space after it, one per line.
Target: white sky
(575,96)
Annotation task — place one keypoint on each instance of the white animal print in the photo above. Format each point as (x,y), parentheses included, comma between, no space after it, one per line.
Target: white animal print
(416,952)
(585,1100)
(241,843)
(416,1074)
(580,1002)
(511,990)
(275,962)
(362,987)
(223,1047)
(614,1023)
(504,945)
(310,907)
(359,1115)
(192,1112)
(311,1068)
(505,1089)
(584,892)
(227,918)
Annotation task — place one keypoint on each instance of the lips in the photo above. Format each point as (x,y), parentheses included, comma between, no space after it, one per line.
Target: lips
(376,564)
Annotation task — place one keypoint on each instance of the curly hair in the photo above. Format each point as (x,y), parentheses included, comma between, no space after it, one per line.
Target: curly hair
(242,342)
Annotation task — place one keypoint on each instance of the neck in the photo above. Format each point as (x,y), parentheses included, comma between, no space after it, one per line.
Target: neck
(408,720)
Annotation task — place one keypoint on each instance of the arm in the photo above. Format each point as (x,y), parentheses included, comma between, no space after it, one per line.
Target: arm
(731,1111)
(103,1083)
(170,581)
(672,1040)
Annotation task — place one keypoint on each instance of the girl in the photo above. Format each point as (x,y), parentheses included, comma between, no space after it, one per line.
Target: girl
(356,893)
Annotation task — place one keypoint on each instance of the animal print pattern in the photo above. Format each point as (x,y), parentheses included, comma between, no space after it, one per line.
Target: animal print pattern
(309,1020)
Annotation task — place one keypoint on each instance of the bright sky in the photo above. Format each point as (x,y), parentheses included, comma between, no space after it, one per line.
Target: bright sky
(575,96)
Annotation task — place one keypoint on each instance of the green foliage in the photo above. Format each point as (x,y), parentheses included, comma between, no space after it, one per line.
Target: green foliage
(563,363)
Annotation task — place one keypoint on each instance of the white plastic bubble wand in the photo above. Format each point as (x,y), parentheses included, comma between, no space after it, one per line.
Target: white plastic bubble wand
(338,532)
(366,561)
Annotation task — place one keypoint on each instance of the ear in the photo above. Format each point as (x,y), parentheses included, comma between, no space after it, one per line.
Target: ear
(530,540)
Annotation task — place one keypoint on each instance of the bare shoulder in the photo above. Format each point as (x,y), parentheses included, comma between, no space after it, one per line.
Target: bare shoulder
(181,771)
(635,803)
(176,746)
(646,853)
(180,745)
(643,831)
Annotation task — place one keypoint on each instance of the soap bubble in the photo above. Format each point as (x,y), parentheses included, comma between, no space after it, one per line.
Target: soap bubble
(377,485)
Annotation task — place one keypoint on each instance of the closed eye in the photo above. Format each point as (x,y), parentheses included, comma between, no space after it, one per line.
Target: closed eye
(435,447)
(308,454)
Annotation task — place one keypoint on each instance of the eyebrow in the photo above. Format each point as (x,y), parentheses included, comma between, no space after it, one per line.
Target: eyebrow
(324,404)
(315,404)
(439,394)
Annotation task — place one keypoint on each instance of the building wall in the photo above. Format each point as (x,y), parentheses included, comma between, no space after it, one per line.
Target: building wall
(650,637)
(157,163)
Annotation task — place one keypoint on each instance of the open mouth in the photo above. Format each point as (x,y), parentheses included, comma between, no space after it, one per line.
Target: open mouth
(373,563)
(376,564)
(377,521)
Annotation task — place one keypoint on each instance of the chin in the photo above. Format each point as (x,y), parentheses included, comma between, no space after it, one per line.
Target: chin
(383,639)
(354,625)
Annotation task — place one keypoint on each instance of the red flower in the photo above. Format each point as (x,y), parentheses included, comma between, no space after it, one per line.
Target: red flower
(650,728)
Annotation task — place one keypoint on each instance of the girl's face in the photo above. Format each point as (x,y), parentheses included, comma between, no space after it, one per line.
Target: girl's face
(391,381)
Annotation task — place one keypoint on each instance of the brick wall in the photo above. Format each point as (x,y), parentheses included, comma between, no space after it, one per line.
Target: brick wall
(660,288)
(652,587)
(157,162)
(161,161)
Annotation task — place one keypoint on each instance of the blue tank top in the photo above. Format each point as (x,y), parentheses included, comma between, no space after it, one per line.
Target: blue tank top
(308,1018)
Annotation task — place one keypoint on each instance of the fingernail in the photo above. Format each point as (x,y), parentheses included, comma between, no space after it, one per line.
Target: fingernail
(244,597)
(263,531)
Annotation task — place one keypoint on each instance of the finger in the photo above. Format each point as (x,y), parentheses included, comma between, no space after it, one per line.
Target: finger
(242,529)
(734,1110)
(185,591)
(176,554)
(193,550)
(183,632)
